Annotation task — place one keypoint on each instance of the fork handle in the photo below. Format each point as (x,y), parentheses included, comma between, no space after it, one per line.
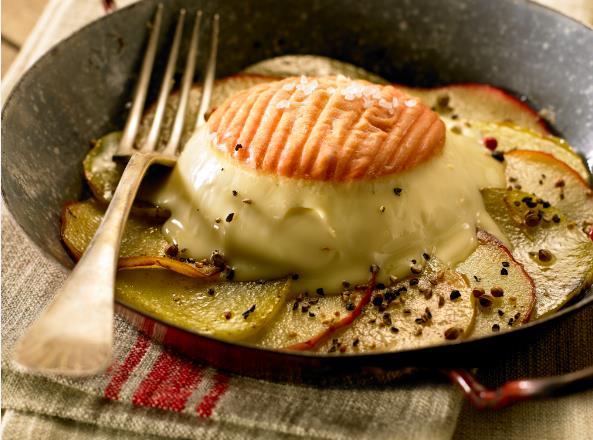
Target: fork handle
(73,335)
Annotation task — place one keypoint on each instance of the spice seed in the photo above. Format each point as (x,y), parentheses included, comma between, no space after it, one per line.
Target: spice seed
(544,255)
(497,292)
(485,301)
(478,292)
(416,269)
(452,333)
(248,312)
(532,219)
(455,294)
(172,250)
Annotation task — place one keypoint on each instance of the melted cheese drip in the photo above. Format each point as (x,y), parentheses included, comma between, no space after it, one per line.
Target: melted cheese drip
(328,232)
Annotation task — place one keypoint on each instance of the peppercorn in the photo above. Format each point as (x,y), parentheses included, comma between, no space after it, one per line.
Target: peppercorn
(478,292)
(497,292)
(544,255)
(452,333)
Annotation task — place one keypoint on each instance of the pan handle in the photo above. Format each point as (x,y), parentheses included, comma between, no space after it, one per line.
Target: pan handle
(514,391)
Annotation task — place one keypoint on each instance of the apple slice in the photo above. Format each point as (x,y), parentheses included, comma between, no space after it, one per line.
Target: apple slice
(231,311)
(310,65)
(553,250)
(479,102)
(506,137)
(504,292)
(143,245)
(305,320)
(432,308)
(554,181)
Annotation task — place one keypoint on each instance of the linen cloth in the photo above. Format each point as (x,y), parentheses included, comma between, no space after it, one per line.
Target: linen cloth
(152,393)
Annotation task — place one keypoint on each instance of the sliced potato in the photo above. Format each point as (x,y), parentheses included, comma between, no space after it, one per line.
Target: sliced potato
(479,102)
(311,65)
(553,250)
(80,220)
(510,137)
(231,311)
(101,172)
(504,292)
(554,181)
(143,245)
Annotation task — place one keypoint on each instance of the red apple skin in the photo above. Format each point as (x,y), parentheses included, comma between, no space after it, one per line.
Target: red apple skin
(311,343)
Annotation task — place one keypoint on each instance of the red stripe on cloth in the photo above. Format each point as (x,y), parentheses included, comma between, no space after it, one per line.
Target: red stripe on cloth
(221,384)
(120,377)
(169,384)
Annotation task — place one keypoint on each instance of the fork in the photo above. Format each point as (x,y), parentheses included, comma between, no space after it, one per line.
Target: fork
(73,336)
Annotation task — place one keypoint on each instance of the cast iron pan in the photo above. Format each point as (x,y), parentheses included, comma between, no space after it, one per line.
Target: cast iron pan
(79,89)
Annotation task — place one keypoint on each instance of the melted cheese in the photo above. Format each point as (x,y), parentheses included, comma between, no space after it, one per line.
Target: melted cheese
(328,232)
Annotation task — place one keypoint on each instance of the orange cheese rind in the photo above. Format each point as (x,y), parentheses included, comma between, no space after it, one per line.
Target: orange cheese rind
(326,128)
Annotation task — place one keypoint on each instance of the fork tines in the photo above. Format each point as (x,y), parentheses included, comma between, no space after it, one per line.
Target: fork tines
(126,146)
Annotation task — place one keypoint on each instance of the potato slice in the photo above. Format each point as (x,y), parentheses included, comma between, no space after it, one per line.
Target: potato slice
(505,293)
(143,245)
(554,181)
(479,102)
(411,313)
(101,172)
(510,137)
(80,220)
(231,311)
(553,250)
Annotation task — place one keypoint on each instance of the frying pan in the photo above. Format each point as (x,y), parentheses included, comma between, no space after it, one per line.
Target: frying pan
(79,89)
